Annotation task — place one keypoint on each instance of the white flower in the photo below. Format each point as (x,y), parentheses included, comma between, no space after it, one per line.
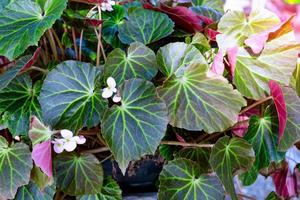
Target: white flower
(116,98)
(107,5)
(68,142)
(110,89)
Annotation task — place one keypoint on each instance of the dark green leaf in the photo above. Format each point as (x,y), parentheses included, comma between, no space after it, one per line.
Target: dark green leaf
(175,56)
(32,192)
(273,196)
(292,130)
(140,62)
(110,191)
(70,97)
(145,26)
(227,157)
(137,126)
(206,11)
(23,22)
(78,174)
(198,155)
(131,6)
(110,26)
(197,101)
(15,167)
(216,4)
(249,177)
(262,134)
(19,101)
(183,179)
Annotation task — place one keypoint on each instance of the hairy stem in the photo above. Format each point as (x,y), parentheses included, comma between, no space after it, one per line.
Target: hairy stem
(256,104)
(52,44)
(74,42)
(187,144)
(59,43)
(80,44)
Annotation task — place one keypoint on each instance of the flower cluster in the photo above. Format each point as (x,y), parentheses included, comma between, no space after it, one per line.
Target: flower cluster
(110,90)
(107,5)
(68,142)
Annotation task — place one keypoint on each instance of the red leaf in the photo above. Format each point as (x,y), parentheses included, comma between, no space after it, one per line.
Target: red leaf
(183,17)
(93,22)
(280,105)
(211,33)
(4,62)
(285,183)
(32,60)
(218,66)
(41,154)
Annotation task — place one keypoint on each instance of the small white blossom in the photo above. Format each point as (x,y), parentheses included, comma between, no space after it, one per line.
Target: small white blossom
(110,90)
(107,5)
(68,142)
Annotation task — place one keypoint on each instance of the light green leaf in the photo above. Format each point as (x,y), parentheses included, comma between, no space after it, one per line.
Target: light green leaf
(183,179)
(252,73)
(206,11)
(32,192)
(38,132)
(198,155)
(18,102)
(110,191)
(297,77)
(216,4)
(15,167)
(200,42)
(237,25)
(197,101)
(174,57)
(136,127)
(145,26)
(227,157)
(70,97)
(292,130)
(23,22)
(78,174)
(140,62)
(110,27)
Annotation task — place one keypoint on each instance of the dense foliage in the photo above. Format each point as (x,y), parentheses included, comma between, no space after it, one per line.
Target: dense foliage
(215,93)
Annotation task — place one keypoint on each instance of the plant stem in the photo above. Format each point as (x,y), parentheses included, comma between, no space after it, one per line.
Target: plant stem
(99,40)
(74,42)
(80,44)
(44,71)
(52,44)
(46,49)
(255,104)
(187,144)
(59,43)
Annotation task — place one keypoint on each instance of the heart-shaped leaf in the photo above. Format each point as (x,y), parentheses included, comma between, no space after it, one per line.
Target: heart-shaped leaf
(145,26)
(278,98)
(252,73)
(292,130)
(183,179)
(15,167)
(42,156)
(32,192)
(19,101)
(175,56)
(23,22)
(78,174)
(197,101)
(70,97)
(239,26)
(198,155)
(228,156)
(110,191)
(110,26)
(140,62)
(136,127)
(206,11)
(262,134)
(216,4)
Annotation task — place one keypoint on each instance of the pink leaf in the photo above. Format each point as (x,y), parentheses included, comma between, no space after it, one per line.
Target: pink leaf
(217,66)
(41,154)
(243,122)
(285,183)
(32,60)
(257,41)
(279,101)
(296,25)
(232,54)
(183,17)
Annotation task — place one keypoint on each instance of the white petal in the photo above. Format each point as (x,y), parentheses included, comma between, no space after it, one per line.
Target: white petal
(58,147)
(111,81)
(109,7)
(107,93)
(112,3)
(80,139)
(116,99)
(67,134)
(70,145)
(114,90)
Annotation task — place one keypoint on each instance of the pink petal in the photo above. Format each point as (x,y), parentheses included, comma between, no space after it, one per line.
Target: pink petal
(280,105)
(41,154)
(296,25)
(80,139)
(232,55)
(217,66)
